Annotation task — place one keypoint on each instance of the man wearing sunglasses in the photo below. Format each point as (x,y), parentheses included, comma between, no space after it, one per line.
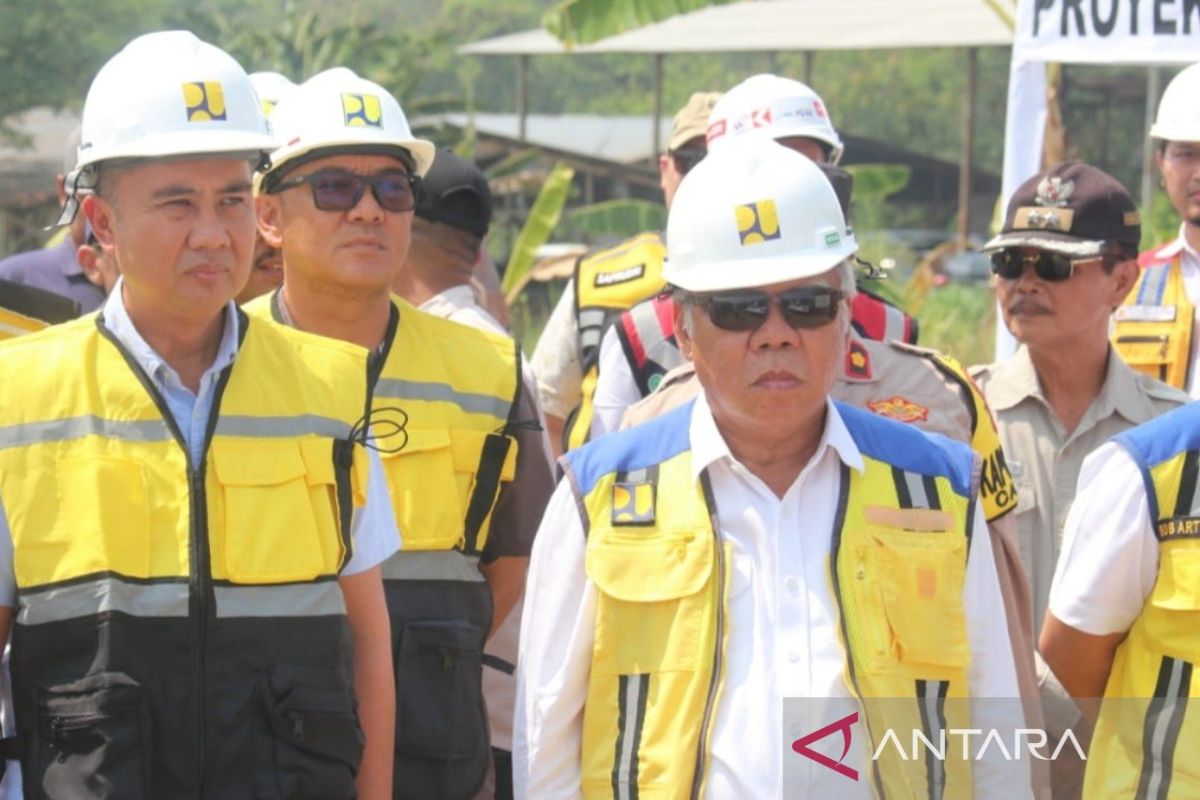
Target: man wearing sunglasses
(446,417)
(1064,261)
(720,571)
(1156,328)
(604,284)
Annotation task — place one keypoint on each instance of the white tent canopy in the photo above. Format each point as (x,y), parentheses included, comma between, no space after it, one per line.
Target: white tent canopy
(785,25)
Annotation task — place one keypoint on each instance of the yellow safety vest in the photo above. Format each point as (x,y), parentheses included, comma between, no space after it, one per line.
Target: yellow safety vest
(177,622)
(13,324)
(661,572)
(1147,734)
(606,284)
(443,402)
(1153,330)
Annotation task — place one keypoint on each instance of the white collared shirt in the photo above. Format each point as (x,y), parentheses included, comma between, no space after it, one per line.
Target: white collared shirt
(783,638)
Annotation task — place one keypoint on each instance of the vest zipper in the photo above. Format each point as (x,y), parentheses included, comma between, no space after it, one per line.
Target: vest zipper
(718,644)
(200,589)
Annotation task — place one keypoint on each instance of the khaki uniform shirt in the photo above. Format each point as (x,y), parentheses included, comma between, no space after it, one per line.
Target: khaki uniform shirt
(1044,459)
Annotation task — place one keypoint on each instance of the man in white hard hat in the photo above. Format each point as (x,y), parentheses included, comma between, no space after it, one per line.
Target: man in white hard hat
(604,284)
(640,348)
(446,412)
(762,568)
(187,568)
(1155,329)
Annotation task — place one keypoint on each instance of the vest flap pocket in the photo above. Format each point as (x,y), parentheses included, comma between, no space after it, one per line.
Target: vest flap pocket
(424,489)
(318,742)
(95,732)
(921,578)
(1178,586)
(256,463)
(414,440)
(439,699)
(651,571)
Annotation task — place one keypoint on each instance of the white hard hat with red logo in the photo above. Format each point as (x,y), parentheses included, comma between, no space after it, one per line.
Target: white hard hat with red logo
(751,214)
(1178,118)
(774,107)
(337,111)
(166,95)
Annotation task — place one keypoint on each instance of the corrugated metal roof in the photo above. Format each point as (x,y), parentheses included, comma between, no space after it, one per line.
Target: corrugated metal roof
(620,139)
(788,25)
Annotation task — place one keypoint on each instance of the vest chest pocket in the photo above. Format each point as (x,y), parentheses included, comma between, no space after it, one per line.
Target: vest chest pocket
(84,515)
(278,511)
(653,603)
(919,577)
(94,739)
(425,496)
(1175,603)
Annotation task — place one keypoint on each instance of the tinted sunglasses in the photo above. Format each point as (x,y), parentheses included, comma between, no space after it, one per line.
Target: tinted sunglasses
(1052,267)
(686,158)
(339,190)
(805,307)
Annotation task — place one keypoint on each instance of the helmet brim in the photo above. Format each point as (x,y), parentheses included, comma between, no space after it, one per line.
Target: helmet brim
(717,276)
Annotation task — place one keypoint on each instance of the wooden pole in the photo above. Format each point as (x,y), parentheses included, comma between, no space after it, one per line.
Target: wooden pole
(655,127)
(968,143)
(522,95)
(1153,79)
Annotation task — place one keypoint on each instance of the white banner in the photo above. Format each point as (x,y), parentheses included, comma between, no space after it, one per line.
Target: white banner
(1108,31)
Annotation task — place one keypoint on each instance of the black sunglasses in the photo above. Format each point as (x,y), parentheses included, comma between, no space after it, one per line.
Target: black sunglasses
(805,307)
(1053,267)
(339,190)
(686,158)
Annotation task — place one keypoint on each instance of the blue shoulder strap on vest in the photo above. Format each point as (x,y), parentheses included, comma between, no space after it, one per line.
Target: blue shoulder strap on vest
(636,448)
(909,448)
(1163,437)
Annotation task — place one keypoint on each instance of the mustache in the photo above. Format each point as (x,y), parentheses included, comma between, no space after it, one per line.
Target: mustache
(1027,305)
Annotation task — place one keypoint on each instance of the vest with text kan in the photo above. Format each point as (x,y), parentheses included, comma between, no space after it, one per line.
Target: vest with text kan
(1153,327)
(179,629)
(1147,727)
(442,400)
(662,573)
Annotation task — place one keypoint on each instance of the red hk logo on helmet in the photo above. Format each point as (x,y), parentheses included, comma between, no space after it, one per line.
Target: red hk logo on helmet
(820,109)
(760,117)
(801,746)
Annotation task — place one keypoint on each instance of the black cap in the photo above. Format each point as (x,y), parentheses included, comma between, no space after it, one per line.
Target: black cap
(1074,209)
(455,193)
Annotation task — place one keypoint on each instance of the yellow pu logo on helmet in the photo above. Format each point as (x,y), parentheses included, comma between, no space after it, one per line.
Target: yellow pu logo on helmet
(757,222)
(204,100)
(633,503)
(362,111)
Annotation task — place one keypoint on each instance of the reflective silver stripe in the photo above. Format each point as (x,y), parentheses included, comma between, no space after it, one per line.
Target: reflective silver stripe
(432,565)
(631,715)
(317,599)
(930,696)
(58,430)
(109,593)
(893,324)
(1161,731)
(470,402)
(278,427)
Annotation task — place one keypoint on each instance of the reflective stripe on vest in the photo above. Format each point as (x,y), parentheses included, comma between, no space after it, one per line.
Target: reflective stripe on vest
(174,610)
(1144,739)
(1153,330)
(606,284)
(647,336)
(13,324)
(655,555)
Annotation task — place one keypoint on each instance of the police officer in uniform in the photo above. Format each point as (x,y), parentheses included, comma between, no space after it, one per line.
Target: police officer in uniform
(445,402)
(192,587)
(715,562)
(1155,328)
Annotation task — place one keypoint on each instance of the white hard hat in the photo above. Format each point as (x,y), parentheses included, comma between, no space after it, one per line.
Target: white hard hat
(1178,117)
(337,110)
(751,214)
(768,105)
(271,87)
(170,94)
(165,95)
